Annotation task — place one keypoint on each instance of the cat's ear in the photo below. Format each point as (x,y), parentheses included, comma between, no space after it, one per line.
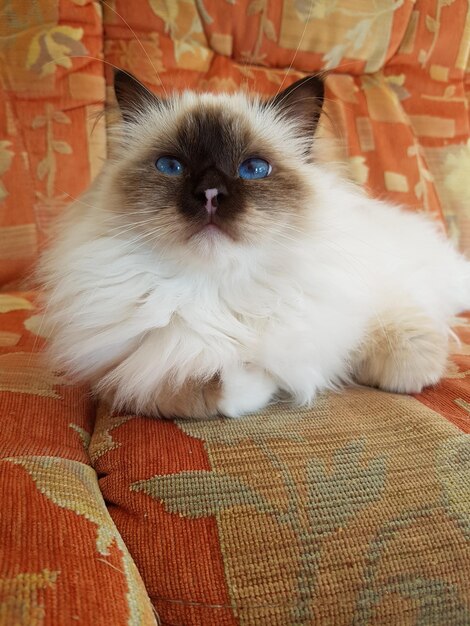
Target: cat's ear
(132,96)
(303,102)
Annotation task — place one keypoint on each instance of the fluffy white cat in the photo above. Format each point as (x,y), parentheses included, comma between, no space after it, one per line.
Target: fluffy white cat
(214,264)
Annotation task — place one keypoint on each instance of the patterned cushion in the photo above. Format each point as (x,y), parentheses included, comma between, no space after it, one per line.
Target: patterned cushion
(52,87)
(357,511)
(396,94)
(62,558)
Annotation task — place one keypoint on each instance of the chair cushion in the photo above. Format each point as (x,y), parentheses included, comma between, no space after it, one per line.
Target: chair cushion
(395,96)
(354,512)
(62,559)
(52,88)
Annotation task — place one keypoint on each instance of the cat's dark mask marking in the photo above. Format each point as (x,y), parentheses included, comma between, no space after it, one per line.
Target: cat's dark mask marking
(211,146)
(211,142)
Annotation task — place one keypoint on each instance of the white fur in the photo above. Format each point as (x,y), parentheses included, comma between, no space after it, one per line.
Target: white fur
(286,314)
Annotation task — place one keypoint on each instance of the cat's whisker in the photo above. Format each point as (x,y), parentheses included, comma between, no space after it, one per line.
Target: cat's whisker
(81,56)
(142,238)
(312,2)
(138,41)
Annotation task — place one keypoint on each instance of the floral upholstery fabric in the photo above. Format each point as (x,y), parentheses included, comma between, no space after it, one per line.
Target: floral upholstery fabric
(51,89)
(62,559)
(354,512)
(396,92)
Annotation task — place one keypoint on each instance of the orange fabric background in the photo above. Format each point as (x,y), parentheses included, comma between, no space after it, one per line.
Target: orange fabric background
(217,515)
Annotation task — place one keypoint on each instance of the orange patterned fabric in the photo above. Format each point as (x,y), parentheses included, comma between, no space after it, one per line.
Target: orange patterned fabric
(396,92)
(62,559)
(50,93)
(357,511)
(354,512)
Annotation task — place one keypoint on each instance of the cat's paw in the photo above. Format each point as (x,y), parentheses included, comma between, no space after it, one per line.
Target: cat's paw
(403,353)
(245,390)
(194,399)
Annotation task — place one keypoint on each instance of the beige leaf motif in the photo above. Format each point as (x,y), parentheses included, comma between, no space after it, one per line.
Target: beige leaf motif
(449,91)
(431,24)
(74,486)
(60,117)
(6,156)
(52,47)
(269,30)
(101,440)
(201,493)
(8,339)
(37,325)
(359,169)
(419,189)
(21,598)
(273,76)
(453,469)
(24,372)
(82,433)
(14,303)
(38,122)
(166,11)
(246,71)
(43,168)
(62,147)
(255,6)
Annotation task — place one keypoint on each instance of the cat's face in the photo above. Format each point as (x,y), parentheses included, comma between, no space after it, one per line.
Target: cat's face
(211,172)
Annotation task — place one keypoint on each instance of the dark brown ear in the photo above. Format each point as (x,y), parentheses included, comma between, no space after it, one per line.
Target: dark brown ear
(133,97)
(303,101)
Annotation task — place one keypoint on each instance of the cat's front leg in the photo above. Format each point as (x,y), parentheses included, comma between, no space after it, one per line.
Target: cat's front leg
(195,398)
(245,389)
(404,351)
(239,390)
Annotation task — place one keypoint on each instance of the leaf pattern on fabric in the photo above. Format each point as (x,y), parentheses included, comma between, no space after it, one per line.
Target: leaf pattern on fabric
(14,303)
(434,601)
(53,47)
(74,486)
(6,157)
(101,440)
(336,491)
(183,22)
(25,372)
(36,324)
(197,493)
(8,339)
(85,436)
(338,494)
(21,598)
(453,470)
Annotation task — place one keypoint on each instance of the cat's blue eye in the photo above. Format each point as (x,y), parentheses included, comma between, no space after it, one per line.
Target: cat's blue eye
(254,168)
(169,165)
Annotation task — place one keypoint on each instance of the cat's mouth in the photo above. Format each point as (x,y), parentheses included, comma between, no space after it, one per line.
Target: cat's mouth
(212,229)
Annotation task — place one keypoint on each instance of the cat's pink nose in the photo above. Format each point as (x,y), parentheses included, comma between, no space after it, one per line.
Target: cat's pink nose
(211,200)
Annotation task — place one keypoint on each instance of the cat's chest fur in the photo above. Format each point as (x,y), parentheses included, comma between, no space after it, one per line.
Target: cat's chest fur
(228,309)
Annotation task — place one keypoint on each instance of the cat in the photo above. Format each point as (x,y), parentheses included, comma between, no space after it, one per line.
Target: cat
(215,264)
